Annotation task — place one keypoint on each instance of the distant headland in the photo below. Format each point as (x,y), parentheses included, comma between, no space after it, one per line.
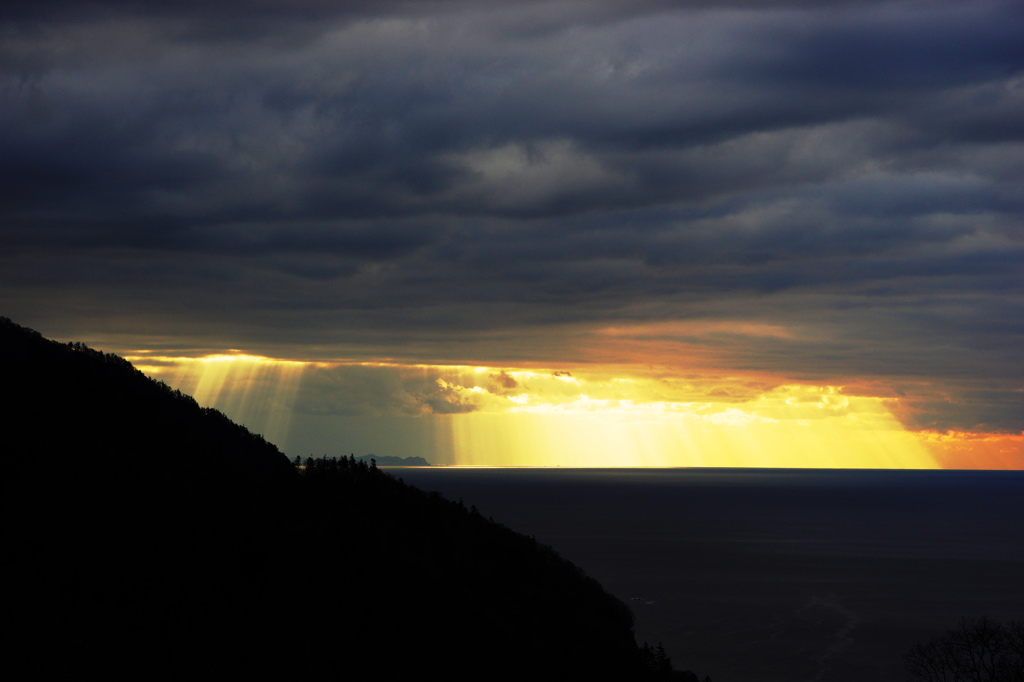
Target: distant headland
(392,461)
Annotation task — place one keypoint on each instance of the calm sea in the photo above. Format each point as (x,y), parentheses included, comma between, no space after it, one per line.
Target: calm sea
(774,575)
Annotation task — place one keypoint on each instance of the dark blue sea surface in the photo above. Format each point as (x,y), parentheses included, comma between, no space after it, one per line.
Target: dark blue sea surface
(764,575)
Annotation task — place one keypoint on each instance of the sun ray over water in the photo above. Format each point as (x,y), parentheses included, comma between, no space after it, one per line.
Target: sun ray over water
(256,391)
(587,417)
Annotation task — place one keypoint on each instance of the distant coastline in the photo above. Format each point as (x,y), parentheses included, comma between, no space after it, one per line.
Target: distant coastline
(391,461)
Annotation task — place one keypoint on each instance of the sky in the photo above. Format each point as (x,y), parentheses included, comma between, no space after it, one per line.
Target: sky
(552,232)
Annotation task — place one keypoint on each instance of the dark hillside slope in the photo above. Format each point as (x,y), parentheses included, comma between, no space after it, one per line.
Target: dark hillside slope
(149,538)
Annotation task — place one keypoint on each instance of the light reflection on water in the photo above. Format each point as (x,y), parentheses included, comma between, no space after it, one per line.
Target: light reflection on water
(774,575)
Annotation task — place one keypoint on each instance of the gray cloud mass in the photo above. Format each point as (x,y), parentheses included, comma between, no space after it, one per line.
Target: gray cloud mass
(440,181)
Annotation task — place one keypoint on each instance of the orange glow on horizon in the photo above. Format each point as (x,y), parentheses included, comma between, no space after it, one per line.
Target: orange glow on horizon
(594,416)
(970,450)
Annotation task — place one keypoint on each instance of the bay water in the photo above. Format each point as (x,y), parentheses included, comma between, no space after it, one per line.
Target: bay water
(770,575)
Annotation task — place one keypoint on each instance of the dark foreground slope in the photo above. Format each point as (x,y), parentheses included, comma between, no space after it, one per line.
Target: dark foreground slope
(150,538)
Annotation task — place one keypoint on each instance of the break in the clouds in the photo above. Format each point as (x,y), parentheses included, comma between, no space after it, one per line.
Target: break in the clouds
(548,182)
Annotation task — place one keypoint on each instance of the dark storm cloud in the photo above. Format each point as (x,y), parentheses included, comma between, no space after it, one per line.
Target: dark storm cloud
(440,180)
(357,390)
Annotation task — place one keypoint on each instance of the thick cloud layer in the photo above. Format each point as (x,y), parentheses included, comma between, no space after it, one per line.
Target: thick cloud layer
(497,182)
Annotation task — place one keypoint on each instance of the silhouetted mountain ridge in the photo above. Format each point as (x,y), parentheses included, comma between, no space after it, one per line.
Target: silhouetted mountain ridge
(151,538)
